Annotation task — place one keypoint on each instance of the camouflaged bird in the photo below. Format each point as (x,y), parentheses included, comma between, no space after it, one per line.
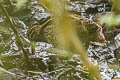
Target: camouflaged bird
(87,31)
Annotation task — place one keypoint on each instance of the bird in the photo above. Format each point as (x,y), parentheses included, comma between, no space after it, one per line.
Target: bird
(87,30)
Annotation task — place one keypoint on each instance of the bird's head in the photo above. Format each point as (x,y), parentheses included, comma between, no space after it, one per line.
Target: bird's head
(34,32)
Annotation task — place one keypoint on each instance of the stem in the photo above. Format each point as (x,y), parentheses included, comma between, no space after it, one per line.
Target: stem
(12,25)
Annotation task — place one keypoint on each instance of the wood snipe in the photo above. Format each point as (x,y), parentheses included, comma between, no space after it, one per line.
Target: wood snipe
(87,31)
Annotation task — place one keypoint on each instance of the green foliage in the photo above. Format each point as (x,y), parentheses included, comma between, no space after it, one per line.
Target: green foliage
(113,18)
(110,19)
(116,6)
(20,3)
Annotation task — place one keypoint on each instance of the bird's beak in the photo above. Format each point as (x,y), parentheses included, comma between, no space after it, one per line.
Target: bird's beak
(102,40)
(101,36)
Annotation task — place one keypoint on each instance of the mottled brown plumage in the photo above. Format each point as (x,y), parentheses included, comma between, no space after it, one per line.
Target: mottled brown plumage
(87,31)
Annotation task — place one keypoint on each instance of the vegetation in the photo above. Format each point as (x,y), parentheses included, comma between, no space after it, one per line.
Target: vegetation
(19,59)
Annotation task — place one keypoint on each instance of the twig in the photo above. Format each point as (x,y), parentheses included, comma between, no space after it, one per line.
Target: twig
(8,72)
(12,24)
(65,70)
(40,73)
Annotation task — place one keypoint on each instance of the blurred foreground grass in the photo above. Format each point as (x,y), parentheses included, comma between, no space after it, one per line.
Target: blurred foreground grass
(67,37)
